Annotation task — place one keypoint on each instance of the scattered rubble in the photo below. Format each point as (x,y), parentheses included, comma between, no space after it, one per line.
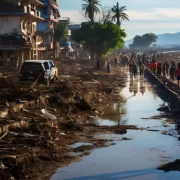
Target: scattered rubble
(38,123)
(172,166)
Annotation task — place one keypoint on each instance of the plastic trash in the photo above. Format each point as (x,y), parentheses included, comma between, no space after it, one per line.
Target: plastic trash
(13,133)
(63,134)
(2,166)
(28,135)
(48,115)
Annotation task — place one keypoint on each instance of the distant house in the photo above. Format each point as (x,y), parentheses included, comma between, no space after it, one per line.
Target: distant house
(18,37)
(74,27)
(50,14)
(66,44)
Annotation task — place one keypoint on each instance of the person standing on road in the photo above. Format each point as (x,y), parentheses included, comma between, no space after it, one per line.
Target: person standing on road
(159,70)
(153,66)
(135,69)
(141,69)
(172,71)
(108,67)
(131,68)
(164,69)
(98,64)
(167,68)
(115,61)
(177,73)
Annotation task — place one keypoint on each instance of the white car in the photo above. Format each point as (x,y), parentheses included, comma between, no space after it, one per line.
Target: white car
(31,69)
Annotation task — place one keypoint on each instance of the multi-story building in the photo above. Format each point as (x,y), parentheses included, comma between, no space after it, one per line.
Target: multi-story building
(50,14)
(18,35)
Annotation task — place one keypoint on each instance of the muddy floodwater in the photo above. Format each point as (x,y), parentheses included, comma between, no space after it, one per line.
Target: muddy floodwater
(142,151)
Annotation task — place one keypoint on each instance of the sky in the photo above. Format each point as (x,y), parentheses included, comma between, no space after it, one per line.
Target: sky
(146,16)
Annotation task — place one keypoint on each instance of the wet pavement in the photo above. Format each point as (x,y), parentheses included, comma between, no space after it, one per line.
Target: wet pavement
(137,154)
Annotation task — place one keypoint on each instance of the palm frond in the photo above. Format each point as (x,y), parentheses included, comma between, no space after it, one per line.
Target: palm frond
(123,8)
(119,14)
(91,8)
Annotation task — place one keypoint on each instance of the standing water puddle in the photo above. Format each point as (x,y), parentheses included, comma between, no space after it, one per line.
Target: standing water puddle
(135,159)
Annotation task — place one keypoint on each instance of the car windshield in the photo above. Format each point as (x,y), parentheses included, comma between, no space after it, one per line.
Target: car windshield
(35,67)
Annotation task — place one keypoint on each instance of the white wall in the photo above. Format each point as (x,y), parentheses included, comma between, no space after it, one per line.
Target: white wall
(10,24)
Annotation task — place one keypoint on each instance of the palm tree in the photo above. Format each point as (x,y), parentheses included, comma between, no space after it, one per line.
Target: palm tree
(119,14)
(91,8)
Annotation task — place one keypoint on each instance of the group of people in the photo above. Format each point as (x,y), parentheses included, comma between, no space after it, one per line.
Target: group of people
(138,62)
(165,69)
(106,63)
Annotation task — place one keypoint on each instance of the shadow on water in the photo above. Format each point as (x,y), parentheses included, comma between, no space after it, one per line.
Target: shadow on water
(135,159)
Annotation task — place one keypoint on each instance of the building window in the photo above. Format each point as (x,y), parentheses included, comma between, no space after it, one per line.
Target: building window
(45,12)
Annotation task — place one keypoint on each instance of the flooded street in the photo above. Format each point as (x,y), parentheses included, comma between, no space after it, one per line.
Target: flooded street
(137,154)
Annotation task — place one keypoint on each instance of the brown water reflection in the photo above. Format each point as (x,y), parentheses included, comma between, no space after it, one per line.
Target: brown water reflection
(136,159)
(114,113)
(137,91)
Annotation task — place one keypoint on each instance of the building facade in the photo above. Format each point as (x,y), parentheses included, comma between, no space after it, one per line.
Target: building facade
(50,13)
(19,40)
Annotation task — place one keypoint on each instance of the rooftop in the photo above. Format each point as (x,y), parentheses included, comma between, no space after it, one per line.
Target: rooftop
(37,61)
(65,20)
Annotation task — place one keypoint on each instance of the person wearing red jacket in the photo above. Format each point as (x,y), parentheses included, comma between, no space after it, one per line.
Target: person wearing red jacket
(153,67)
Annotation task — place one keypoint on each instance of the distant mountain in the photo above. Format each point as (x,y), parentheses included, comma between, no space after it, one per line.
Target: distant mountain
(164,40)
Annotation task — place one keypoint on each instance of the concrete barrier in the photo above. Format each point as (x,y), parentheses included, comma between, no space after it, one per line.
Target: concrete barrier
(173,94)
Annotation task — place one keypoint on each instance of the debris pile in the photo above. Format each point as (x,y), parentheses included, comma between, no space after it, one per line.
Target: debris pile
(37,126)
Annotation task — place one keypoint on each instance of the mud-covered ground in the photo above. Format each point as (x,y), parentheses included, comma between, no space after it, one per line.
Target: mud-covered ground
(31,141)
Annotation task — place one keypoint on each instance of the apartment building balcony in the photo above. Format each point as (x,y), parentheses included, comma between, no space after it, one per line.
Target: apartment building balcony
(54,18)
(33,13)
(35,2)
(49,45)
(26,11)
(52,3)
(45,31)
(45,28)
(13,41)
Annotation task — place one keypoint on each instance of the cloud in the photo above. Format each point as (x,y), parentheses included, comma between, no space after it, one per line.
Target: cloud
(137,15)
(140,28)
(157,20)
(75,16)
(155,14)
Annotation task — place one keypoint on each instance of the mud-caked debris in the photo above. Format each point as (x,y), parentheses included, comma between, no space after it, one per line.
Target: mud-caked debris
(121,131)
(72,125)
(83,105)
(172,166)
(126,139)
(83,148)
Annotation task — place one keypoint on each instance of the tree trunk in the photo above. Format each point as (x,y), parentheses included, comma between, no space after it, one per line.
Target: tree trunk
(118,22)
